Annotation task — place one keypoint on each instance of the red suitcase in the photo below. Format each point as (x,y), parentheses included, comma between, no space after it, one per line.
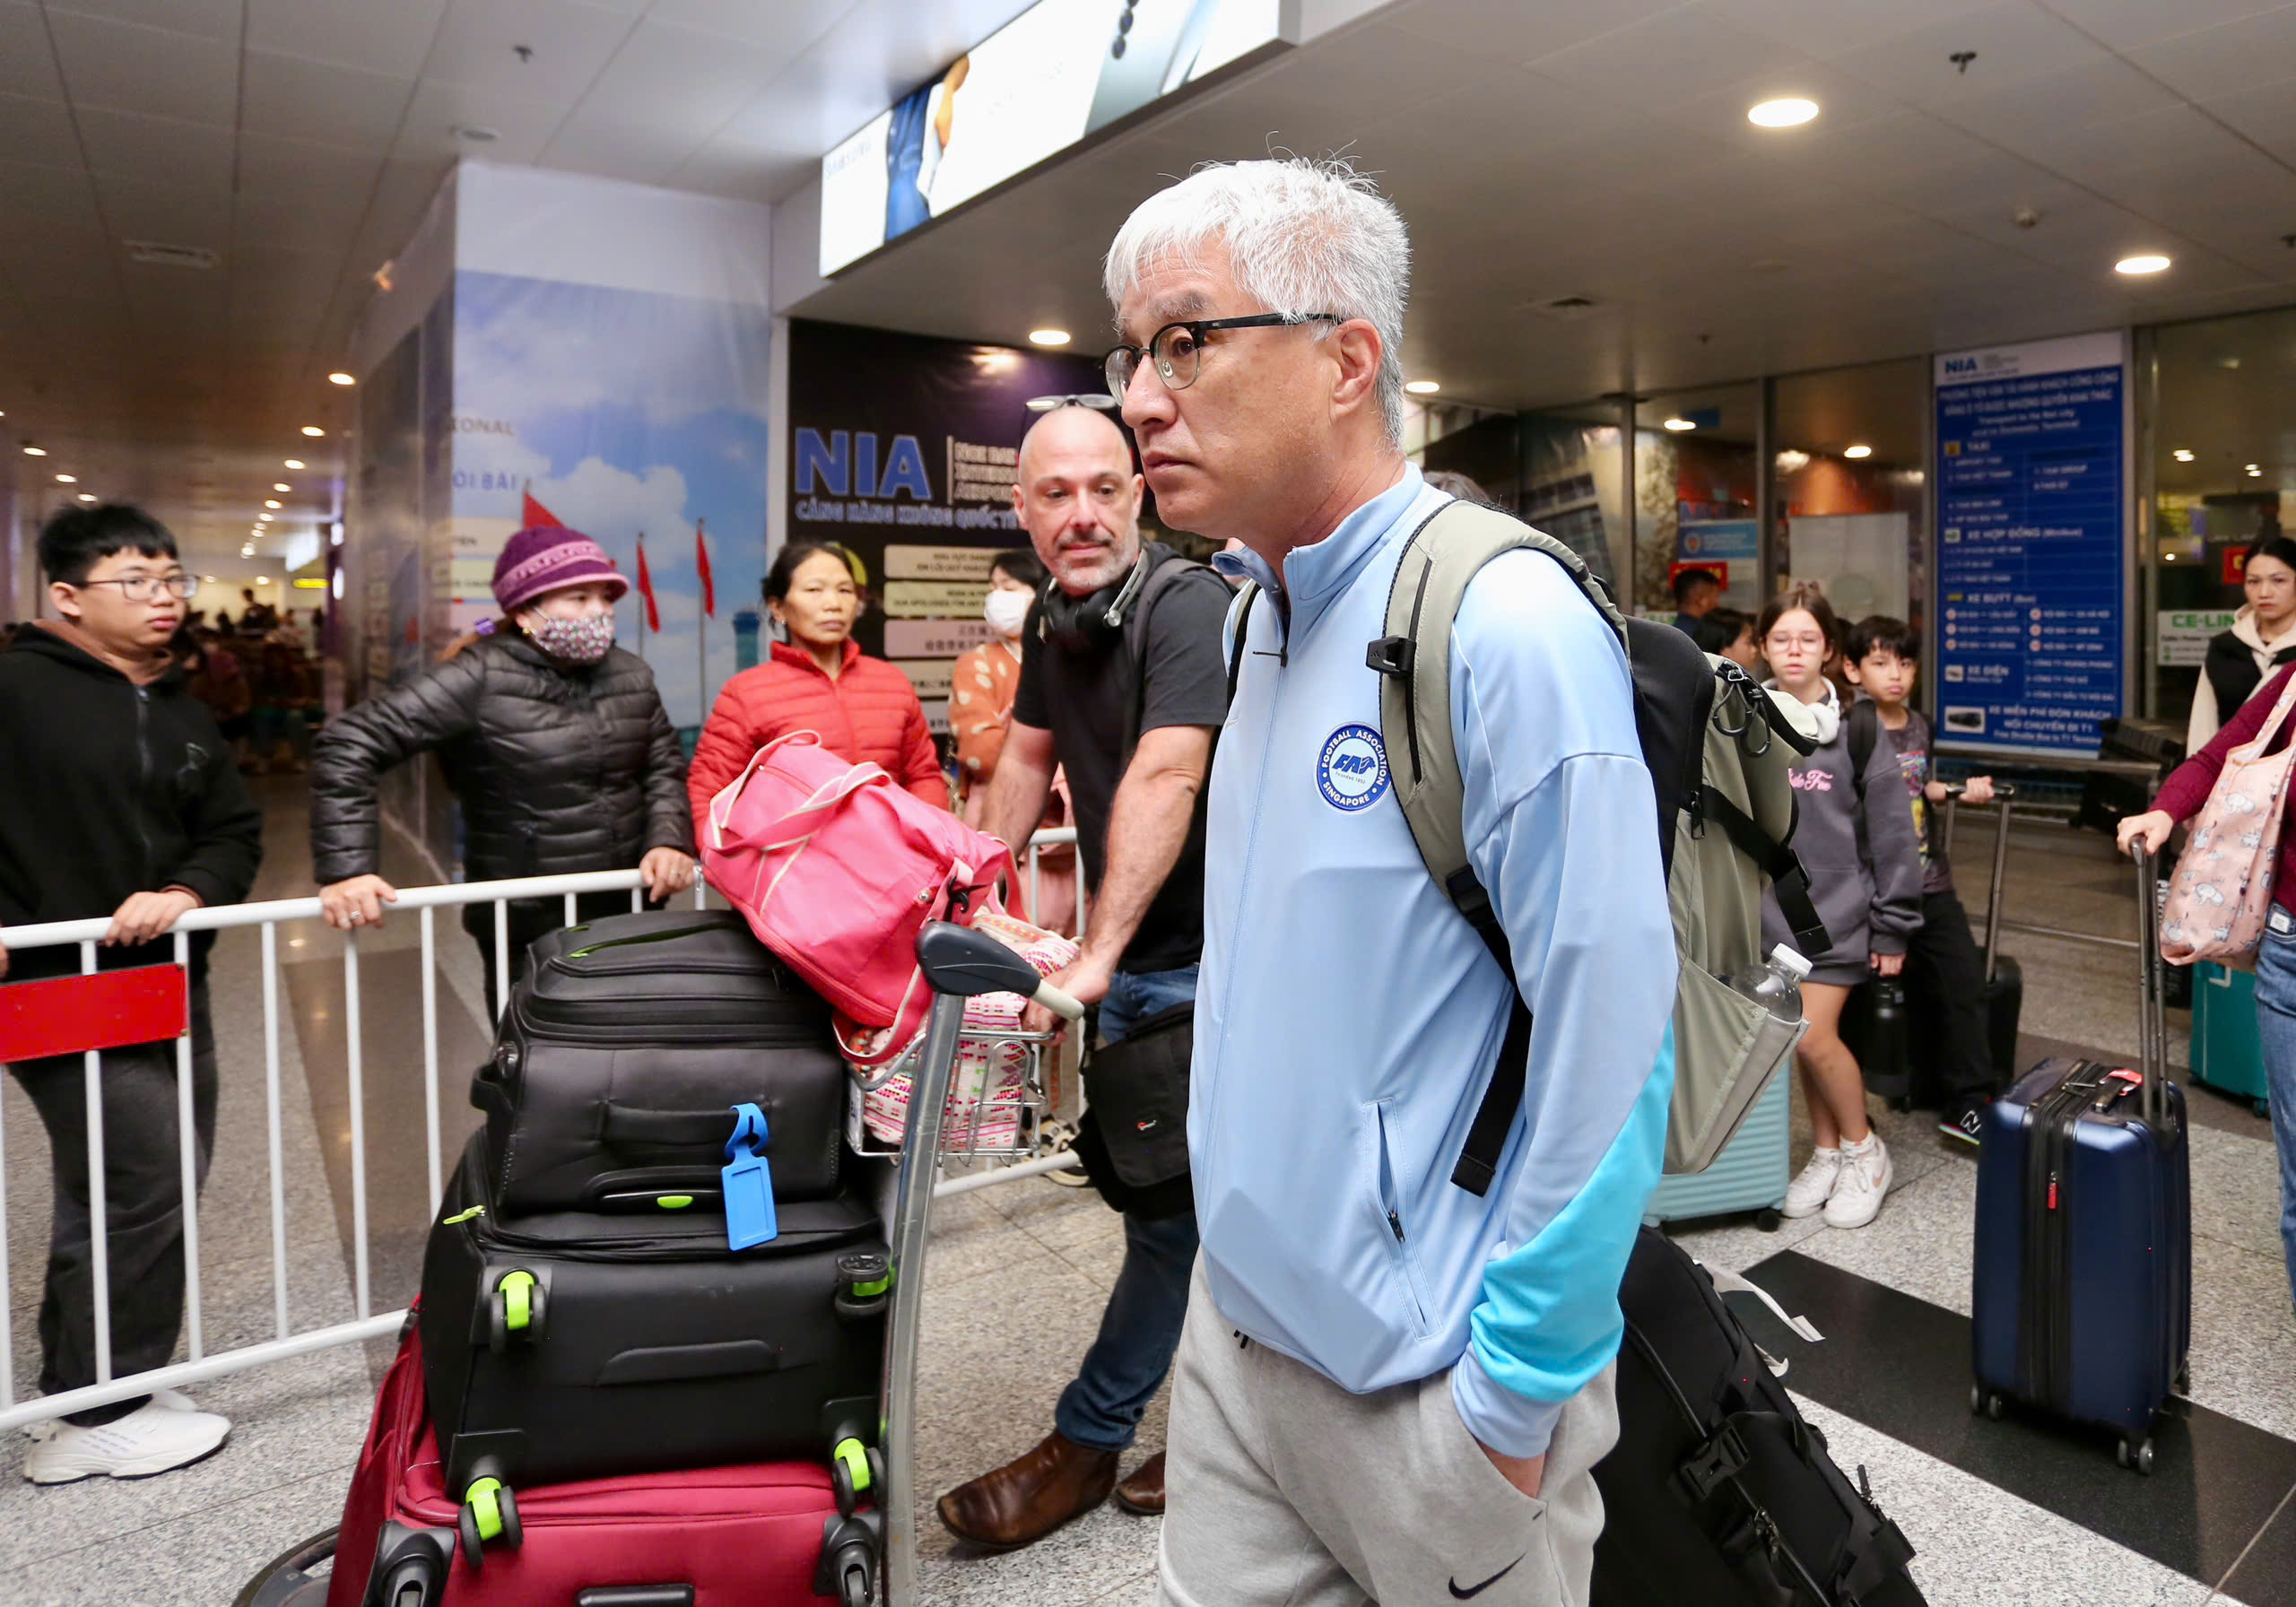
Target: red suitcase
(704,1538)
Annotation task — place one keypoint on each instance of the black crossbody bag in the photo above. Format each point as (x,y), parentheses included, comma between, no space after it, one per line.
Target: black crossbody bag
(1137,1093)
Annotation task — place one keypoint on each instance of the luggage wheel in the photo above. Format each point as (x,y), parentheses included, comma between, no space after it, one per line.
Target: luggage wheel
(865,1284)
(2183,1385)
(848,1571)
(1984,1403)
(2142,1460)
(1768,1220)
(516,1310)
(490,1512)
(855,1471)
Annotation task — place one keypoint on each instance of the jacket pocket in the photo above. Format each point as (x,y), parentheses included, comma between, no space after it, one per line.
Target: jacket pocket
(1394,1232)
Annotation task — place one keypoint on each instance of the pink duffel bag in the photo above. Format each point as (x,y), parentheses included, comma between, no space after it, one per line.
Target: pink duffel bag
(836,869)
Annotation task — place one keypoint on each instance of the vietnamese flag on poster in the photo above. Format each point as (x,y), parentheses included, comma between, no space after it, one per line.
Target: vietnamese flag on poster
(646,590)
(535,517)
(702,568)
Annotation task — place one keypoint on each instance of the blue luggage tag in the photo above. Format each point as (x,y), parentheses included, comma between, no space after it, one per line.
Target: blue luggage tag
(747,1183)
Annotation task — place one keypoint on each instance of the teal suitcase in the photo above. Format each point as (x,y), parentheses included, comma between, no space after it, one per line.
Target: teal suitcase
(2227,1053)
(1749,1174)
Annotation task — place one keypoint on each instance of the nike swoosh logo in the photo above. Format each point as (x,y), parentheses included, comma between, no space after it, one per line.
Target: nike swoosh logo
(1476,1590)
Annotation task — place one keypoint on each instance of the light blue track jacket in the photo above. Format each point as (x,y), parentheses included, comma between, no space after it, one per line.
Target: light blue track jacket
(1349,1018)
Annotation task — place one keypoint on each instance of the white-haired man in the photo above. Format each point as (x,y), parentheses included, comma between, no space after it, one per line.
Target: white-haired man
(1389,1387)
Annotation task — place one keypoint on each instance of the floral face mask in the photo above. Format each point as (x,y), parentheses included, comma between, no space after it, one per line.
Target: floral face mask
(585,639)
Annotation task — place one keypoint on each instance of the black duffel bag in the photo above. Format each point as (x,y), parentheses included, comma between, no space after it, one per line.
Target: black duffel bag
(1719,1492)
(1133,1140)
(625,1049)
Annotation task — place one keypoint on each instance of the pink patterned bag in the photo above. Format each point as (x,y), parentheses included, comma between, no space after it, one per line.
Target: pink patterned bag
(2221,896)
(983,1107)
(837,870)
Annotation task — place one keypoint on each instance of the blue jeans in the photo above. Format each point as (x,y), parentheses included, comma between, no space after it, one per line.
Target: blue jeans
(2277,1026)
(1140,1329)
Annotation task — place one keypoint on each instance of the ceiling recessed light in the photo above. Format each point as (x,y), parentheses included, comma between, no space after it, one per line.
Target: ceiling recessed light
(2255,473)
(2147,264)
(207,580)
(1790,113)
(1423,388)
(67,480)
(1679,424)
(2182,455)
(265,515)
(263,580)
(1858,451)
(477,133)
(281,486)
(273,502)
(313,429)
(1048,337)
(2253,468)
(87,496)
(340,378)
(32,451)
(294,462)
(2228,362)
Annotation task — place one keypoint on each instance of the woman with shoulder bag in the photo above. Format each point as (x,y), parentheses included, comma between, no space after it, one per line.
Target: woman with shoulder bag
(2262,638)
(2190,788)
(554,741)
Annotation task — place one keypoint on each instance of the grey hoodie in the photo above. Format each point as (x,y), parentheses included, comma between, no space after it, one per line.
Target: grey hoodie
(1857,842)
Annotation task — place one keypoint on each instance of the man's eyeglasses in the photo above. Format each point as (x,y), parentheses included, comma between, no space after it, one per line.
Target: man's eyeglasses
(142,588)
(1177,349)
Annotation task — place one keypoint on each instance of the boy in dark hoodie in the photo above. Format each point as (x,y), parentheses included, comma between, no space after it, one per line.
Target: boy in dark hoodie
(120,801)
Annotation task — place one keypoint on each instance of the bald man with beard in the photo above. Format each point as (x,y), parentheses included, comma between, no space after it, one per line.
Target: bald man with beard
(1122,682)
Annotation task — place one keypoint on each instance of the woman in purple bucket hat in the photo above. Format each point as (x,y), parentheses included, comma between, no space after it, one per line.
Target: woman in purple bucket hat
(553,740)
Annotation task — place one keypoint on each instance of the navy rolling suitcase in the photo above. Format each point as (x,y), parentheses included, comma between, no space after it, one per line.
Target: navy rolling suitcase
(2082,1303)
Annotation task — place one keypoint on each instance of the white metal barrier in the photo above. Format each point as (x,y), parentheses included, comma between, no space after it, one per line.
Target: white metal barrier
(424,903)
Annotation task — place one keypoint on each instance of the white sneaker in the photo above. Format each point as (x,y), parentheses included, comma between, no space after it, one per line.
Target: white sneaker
(150,1439)
(1866,1174)
(1807,1194)
(174,1400)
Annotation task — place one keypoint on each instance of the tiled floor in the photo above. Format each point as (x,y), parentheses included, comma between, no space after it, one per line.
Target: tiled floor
(1016,1278)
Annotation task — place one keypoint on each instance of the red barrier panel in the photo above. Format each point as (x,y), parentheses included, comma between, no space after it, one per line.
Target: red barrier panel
(69,1015)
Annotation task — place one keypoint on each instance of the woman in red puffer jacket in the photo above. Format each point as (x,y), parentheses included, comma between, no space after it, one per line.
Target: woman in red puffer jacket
(862,709)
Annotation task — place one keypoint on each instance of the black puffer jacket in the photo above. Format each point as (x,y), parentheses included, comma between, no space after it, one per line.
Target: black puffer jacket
(559,769)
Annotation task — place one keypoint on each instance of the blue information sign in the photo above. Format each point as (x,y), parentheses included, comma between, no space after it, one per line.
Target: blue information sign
(2032,563)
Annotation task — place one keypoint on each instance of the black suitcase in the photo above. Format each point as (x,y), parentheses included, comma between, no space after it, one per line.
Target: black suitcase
(622,1057)
(1719,1492)
(579,1345)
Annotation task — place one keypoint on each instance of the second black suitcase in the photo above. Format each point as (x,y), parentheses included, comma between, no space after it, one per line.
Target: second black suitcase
(575,1346)
(623,1052)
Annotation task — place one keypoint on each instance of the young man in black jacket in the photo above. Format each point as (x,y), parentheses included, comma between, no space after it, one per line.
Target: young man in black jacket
(121,800)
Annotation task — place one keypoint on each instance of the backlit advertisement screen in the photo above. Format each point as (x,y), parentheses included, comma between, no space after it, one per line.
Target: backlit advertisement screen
(1061,70)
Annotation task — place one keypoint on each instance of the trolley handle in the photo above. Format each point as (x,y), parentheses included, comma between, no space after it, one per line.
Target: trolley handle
(2152,1016)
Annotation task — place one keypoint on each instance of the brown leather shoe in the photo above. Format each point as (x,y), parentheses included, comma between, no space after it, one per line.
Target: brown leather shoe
(1032,1495)
(1143,1492)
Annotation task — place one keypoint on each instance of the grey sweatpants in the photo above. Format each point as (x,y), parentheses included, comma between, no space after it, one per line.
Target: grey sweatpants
(1286,1490)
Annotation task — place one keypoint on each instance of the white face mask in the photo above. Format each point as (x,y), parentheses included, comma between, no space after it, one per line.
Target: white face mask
(1006,612)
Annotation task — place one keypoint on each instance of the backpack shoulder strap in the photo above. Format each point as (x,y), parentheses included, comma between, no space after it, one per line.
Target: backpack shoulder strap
(1242,619)
(1161,579)
(1414,659)
(1865,724)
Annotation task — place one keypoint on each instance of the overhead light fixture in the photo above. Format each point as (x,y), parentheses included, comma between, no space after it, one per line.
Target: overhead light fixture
(32,451)
(2182,455)
(263,580)
(2256,473)
(1678,424)
(281,486)
(265,515)
(2228,362)
(1790,113)
(1423,388)
(294,462)
(313,429)
(207,580)
(2253,468)
(1857,451)
(2149,263)
(273,502)
(67,480)
(87,496)
(340,378)
(1048,337)
(476,134)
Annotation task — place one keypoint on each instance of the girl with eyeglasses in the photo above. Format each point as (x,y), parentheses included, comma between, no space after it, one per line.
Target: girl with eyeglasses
(1855,839)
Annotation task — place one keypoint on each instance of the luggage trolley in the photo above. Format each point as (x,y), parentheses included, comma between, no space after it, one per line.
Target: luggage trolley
(876,1487)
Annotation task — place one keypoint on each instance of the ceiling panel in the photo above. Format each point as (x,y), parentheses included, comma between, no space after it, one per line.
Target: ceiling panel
(33,197)
(38,131)
(2014,44)
(1667,59)
(1831,28)
(689,79)
(391,38)
(1506,30)
(571,41)
(2266,115)
(523,126)
(156,70)
(296,98)
(2226,59)
(27,65)
(171,214)
(2060,106)
(209,19)
(2127,25)
(788,25)
(195,156)
(614,147)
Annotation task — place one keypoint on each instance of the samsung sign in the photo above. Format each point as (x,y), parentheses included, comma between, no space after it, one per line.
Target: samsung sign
(1059,72)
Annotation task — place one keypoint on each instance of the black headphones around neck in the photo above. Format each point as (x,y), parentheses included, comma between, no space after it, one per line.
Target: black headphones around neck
(1076,622)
